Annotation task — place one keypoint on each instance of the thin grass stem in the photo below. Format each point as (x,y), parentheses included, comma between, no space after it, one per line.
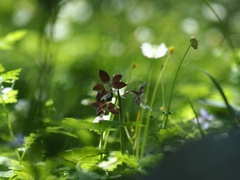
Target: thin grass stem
(145,134)
(171,93)
(122,141)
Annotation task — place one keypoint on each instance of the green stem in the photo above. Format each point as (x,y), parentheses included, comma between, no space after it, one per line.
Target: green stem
(143,113)
(145,134)
(8,122)
(101,141)
(121,121)
(106,134)
(10,128)
(174,82)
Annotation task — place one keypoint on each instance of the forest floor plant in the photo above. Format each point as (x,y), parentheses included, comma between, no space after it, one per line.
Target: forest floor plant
(26,158)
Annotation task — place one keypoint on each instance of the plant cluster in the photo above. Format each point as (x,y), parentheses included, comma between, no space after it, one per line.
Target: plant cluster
(123,147)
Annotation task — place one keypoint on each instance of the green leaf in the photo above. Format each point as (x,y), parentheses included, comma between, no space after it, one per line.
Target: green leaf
(32,171)
(1,68)
(6,174)
(167,136)
(229,108)
(7,41)
(74,124)
(23,175)
(55,130)
(77,153)
(128,159)
(9,76)
(86,157)
(9,97)
(151,160)
(29,140)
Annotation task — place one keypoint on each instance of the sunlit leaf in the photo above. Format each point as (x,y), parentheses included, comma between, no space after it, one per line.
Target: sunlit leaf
(128,159)
(1,68)
(55,130)
(7,41)
(29,140)
(75,124)
(86,157)
(9,76)
(9,97)
(6,174)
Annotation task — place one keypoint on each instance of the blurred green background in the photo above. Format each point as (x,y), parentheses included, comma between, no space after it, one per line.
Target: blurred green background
(68,41)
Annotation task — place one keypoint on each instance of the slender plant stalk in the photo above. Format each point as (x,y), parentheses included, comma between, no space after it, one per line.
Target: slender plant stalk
(163,94)
(174,82)
(142,113)
(232,119)
(121,120)
(101,143)
(8,122)
(106,133)
(10,128)
(198,123)
(145,134)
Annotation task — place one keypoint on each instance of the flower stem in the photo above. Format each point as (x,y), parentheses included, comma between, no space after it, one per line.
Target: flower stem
(174,82)
(101,143)
(10,128)
(121,121)
(143,113)
(145,134)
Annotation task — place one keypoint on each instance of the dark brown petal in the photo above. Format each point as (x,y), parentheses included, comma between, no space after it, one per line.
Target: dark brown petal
(113,111)
(100,111)
(98,87)
(95,104)
(119,85)
(110,106)
(98,97)
(104,76)
(116,78)
(142,86)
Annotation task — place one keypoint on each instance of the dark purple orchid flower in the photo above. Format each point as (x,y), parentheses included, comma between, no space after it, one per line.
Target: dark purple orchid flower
(108,84)
(103,106)
(139,96)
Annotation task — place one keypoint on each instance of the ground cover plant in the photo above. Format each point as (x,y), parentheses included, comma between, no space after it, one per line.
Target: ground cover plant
(86,94)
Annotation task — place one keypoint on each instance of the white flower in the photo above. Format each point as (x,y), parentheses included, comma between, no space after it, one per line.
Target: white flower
(5,91)
(154,51)
(101,118)
(109,165)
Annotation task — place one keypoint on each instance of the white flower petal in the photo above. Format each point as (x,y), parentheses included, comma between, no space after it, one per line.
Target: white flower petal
(161,51)
(6,90)
(101,118)
(153,51)
(147,50)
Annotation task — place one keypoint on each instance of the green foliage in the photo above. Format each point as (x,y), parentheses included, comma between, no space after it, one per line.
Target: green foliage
(6,43)
(59,53)
(10,76)
(80,154)
(75,124)
(8,94)
(233,121)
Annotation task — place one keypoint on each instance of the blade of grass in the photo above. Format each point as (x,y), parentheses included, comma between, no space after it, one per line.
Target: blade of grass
(229,108)
(196,116)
